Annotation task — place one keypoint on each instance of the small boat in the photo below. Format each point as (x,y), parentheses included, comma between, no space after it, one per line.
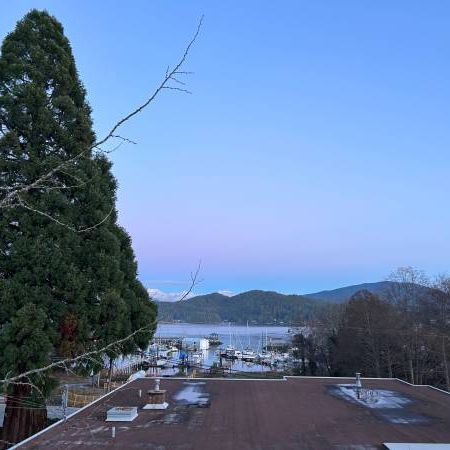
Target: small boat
(265,358)
(156,362)
(282,358)
(248,355)
(267,362)
(213,339)
(197,357)
(161,351)
(231,353)
(169,364)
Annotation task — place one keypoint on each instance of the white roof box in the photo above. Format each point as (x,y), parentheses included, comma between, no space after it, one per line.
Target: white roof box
(122,414)
(411,446)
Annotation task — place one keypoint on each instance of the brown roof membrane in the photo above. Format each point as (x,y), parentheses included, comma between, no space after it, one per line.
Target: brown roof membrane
(292,413)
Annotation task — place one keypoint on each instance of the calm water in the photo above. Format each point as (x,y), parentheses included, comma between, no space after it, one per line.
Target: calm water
(239,336)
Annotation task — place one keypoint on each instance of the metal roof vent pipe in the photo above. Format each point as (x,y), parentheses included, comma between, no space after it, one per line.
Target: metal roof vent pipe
(358,385)
(156,397)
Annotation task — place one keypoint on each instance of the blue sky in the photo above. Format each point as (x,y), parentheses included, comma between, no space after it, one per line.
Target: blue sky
(313,153)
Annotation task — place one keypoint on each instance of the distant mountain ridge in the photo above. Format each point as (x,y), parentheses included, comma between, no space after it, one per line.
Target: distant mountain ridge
(264,307)
(342,294)
(258,307)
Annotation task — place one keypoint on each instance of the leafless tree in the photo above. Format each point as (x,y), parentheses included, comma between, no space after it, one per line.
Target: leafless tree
(13,196)
(442,296)
(406,293)
(195,280)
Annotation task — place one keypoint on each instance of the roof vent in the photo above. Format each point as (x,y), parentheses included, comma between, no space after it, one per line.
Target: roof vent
(156,398)
(358,385)
(122,414)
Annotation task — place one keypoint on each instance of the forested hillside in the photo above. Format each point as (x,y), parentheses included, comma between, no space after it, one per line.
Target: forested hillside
(267,307)
(343,294)
(256,307)
(382,289)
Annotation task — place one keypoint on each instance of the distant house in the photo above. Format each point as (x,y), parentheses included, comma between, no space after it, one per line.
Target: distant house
(228,414)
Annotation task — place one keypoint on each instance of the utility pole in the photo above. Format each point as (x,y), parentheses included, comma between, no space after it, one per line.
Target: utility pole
(65,398)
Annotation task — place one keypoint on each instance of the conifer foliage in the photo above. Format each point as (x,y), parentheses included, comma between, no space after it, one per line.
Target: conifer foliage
(67,270)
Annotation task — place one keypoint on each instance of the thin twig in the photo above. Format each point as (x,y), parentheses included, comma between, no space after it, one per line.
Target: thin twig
(169,75)
(11,198)
(194,282)
(54,219)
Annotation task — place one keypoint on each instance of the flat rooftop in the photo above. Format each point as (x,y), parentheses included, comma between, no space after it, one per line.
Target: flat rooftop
(291,413)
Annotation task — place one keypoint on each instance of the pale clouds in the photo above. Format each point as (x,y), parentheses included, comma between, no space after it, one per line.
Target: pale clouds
(227,293)
(161,296)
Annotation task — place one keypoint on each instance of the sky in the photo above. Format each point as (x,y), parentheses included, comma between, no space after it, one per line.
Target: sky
(313,152)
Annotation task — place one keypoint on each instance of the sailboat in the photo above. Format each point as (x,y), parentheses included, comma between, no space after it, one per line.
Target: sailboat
(230,351)
(265,357)
(248,354)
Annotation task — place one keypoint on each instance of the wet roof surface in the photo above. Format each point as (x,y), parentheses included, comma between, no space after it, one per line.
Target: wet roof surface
(295,413)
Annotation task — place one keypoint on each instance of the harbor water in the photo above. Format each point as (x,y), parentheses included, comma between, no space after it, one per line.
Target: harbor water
(240,337)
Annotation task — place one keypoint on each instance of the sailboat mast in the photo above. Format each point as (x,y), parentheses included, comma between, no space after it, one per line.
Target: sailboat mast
(266,341)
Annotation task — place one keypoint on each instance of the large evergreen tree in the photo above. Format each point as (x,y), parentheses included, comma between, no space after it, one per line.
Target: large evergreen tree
(71,286)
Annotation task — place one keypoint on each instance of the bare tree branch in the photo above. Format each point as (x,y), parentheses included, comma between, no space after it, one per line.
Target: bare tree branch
(77,358)
(12,197)
(54,219)
(194,282)
(168,77)
(174,88)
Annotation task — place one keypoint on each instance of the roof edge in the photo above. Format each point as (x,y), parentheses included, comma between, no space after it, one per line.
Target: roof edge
(284,378)
(53,425)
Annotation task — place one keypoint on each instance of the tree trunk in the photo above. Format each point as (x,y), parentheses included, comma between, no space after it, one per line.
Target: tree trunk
(21,421)
(389,364)
(444,359)
(303,372)
(411,369)
(110,373)
(377,365)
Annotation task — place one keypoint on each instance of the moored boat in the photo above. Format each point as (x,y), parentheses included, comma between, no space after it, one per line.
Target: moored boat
(213,339)
(231,353)
(248,355)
